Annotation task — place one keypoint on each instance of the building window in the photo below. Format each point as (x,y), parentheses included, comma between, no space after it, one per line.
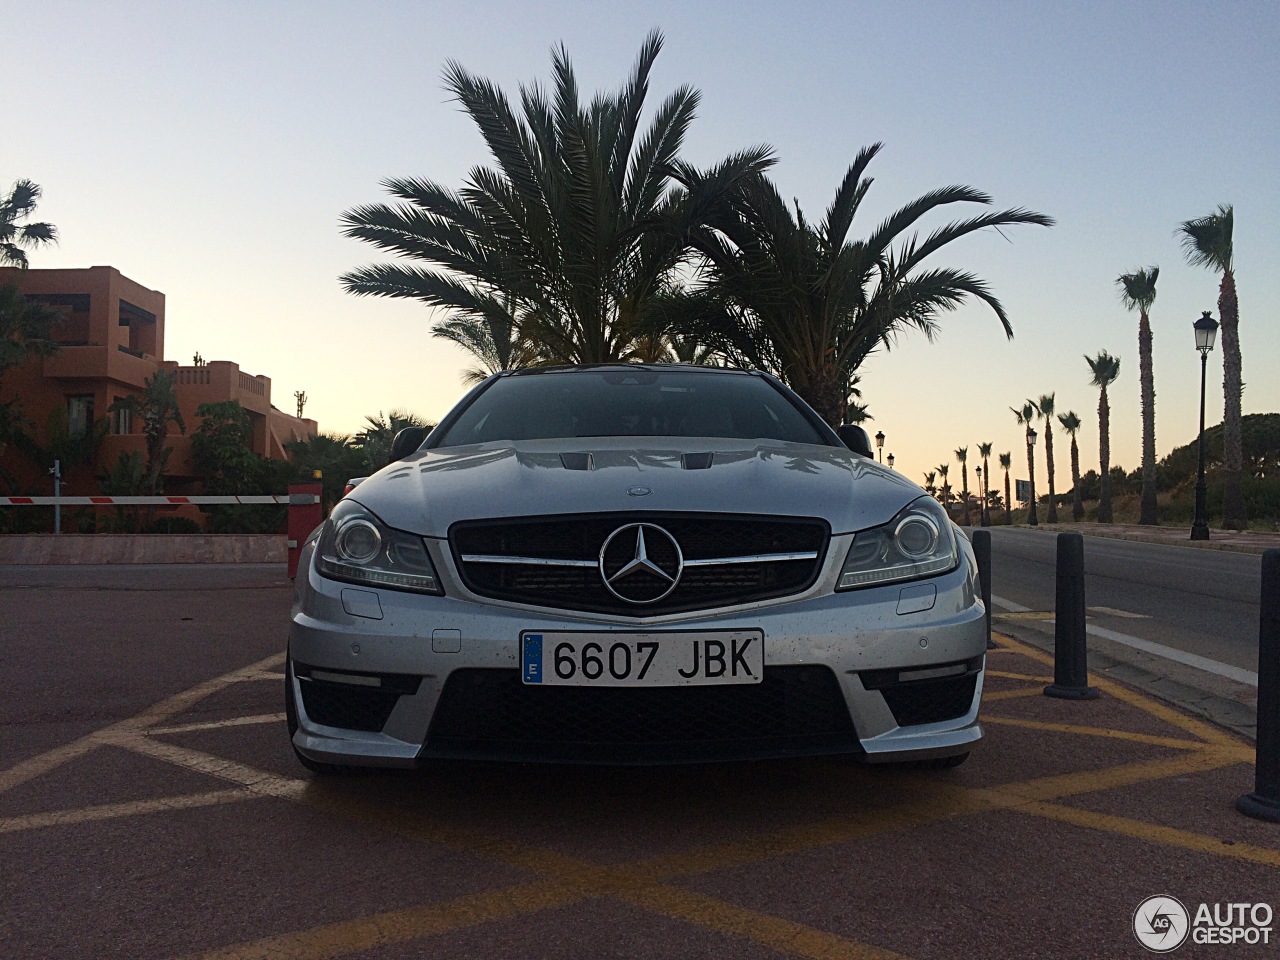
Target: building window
(121,419)
(79,414)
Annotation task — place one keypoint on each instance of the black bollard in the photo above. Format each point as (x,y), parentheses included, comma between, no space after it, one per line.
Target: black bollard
(1070,655)
(1264,802)
(982,553)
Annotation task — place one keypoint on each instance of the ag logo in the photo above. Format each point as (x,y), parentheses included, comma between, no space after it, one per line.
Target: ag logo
(1161,924)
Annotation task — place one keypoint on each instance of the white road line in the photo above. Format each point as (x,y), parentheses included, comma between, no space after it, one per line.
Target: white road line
(1247,677)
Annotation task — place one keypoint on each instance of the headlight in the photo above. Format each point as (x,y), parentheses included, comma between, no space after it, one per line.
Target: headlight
(918,542)
(357,547)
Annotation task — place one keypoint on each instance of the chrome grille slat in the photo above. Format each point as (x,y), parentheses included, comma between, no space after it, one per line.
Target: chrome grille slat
(553,561)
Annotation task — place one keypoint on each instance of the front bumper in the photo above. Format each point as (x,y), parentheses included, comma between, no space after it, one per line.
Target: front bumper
(392,654)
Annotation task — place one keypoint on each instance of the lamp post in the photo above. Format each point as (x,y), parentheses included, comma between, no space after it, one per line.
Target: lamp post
(1206,330)
(1032,520)
(890,461)
(879,444)
(982,510)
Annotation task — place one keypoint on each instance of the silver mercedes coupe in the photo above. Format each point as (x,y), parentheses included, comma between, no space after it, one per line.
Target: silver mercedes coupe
(634,564)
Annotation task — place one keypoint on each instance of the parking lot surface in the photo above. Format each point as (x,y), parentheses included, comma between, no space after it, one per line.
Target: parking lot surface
(150,806)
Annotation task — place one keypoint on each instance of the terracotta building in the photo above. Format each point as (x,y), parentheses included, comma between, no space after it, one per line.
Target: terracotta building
(110,340)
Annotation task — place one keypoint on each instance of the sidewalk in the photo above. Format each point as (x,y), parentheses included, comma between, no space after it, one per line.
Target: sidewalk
(1240,541)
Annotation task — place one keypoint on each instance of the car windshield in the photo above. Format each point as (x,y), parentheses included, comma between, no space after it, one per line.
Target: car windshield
(613,402)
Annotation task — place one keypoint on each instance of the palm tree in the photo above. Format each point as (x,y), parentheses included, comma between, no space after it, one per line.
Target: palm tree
(156,408)
(809,303)
(374,441)
(1006,462)
(1138,291)
(943,470)
(930,479)
(18,204)
(984,451)
(1071,423)
(493,340)
(573,235)
(962,455)
(1207,243)
(1026,415)
(1105,369)
(1044,407)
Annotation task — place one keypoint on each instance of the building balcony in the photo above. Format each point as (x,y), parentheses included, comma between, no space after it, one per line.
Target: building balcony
(100,362)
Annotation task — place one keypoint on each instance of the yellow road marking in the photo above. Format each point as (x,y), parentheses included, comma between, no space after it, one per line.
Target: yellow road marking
(1147,704)
(399,926)
(110,811)
(259,781)
(218,724)
(52,759)
(1172,742)
(762,928)
(1026,615)
(1153,833)
(1004,675)
(995,695)
(640,882)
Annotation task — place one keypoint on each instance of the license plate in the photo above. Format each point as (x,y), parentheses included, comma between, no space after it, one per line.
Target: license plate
(642,659)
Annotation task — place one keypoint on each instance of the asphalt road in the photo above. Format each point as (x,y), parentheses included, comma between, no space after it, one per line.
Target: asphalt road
(1203,602)
(150,806)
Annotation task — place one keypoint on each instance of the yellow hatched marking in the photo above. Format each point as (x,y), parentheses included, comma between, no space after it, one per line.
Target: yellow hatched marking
(218,724)
(762,928)
(111,811)
(995,695)
(259,781)
(1171,742)
(1026,615)
(156,713)
(1027,677)
(1153,833)
(400,926)
(1160,711)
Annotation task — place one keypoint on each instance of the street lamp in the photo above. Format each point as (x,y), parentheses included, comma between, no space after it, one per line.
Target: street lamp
(1206,330)
(891,461)
(879,443)
(1032,520)
(982,510)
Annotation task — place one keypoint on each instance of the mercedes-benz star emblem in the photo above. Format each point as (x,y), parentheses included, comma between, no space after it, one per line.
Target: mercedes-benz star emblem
(641,563)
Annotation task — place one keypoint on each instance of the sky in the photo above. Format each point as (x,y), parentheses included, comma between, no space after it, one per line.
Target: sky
(208,149)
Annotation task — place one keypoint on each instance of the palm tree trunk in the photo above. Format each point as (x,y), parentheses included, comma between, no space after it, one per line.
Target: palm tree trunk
(964,490)
(1077,502)
(984,515)
(826,396)
(1008,503)
(1052,515)
(1147,378)
(1233,510)
(1104,457)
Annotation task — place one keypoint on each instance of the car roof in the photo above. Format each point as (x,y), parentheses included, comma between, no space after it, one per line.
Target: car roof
(657,367)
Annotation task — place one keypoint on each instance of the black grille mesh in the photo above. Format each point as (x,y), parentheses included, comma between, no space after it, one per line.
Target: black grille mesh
(930,701)
(491,713)
(348,707)
(581,538)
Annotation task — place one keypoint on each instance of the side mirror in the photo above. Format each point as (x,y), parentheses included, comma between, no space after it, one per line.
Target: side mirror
(856,439)
(407,441)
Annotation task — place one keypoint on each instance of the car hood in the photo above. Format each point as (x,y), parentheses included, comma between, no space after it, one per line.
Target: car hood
(434,489)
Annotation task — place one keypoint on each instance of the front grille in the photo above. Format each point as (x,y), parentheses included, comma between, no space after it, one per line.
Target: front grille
(490,714)
(701,537)
(930,701)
